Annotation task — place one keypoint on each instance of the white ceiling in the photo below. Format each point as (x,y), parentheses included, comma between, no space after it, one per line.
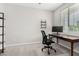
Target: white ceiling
(43,6)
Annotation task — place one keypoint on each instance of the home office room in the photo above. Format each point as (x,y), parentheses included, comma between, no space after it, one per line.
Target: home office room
(39,29)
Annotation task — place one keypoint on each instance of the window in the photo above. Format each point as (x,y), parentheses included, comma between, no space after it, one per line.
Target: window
(74,18)
(70,18)
(64,19)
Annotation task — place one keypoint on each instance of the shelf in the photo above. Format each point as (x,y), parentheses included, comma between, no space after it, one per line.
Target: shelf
(0,50)
(43,24)
(1,26)
(0,42)
(1,18)
(43,27)
(1,34)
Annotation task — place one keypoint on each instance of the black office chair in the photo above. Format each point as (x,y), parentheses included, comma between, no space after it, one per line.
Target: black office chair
(47,41)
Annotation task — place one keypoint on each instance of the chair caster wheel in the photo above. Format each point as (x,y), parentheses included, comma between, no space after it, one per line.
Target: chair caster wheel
(42,49)
(48,53)
(55,51)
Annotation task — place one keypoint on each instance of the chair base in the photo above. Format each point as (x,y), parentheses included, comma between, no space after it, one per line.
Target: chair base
(49,47)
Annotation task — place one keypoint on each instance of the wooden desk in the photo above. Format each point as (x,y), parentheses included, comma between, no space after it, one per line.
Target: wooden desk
(68,38)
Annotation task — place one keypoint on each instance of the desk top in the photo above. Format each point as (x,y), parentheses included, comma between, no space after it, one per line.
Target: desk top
(69,38)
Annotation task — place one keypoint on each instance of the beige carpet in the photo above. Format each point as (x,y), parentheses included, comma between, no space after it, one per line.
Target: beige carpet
(34,50)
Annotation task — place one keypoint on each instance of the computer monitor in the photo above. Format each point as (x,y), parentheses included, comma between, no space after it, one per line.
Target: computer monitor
(57,29)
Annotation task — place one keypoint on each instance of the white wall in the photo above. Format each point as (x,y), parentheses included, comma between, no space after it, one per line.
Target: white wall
(23,24)
(1,7)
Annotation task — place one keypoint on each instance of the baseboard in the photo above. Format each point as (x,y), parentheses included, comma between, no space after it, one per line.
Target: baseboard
(21,44)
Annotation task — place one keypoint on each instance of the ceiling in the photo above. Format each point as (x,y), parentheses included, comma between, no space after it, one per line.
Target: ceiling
(43,6)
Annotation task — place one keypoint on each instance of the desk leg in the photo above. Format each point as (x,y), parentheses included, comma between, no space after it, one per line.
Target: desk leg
(72,48)
(57,40)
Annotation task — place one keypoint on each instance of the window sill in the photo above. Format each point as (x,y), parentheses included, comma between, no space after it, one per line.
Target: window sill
(71,33)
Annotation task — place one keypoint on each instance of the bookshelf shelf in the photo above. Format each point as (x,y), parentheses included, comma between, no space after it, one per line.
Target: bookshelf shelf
(2,34)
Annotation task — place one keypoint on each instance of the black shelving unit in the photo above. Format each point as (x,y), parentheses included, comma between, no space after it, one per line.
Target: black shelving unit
(2,32)
(43,24)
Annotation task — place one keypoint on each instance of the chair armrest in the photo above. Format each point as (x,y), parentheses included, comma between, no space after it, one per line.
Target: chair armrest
(50,41)
(50,38)
(47,36)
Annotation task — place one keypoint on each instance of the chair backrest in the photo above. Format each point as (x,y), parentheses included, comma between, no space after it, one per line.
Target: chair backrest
(44,37)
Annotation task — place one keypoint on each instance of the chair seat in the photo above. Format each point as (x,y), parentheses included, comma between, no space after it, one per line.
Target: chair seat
(49,42)
(52,41)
